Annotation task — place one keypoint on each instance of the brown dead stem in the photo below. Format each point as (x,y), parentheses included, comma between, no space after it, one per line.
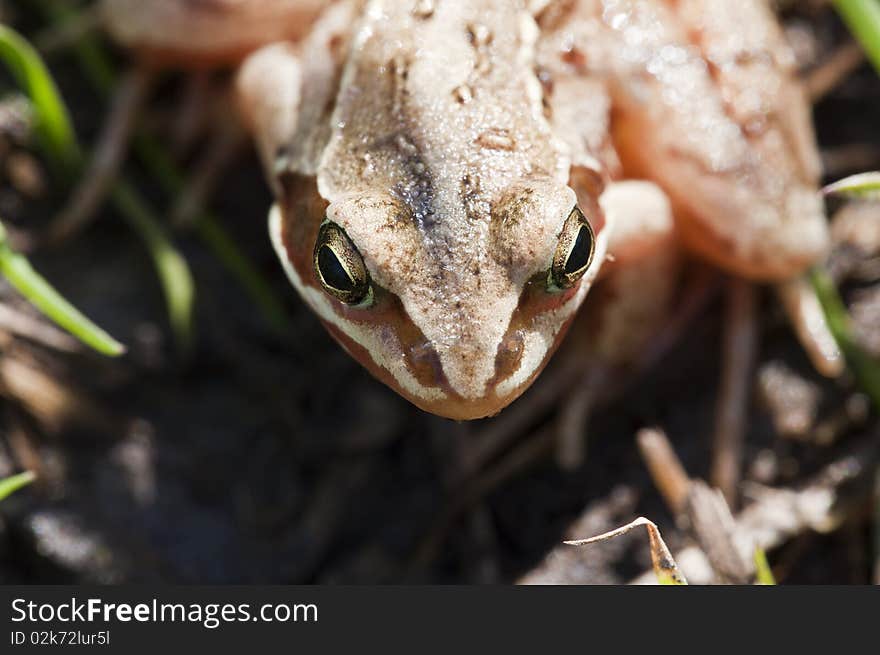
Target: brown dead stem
(778,515)
(574,416)
(54,404)
(738,359)
(36,330)
(107,156)
(226,142)
(665,468)
(840,65)
(703,509)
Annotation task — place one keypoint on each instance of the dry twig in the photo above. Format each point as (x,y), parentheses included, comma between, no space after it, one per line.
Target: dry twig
(108,155)
(778,515)
(665,568)
(840,65)
(225,144)
(740,346)
(665,468)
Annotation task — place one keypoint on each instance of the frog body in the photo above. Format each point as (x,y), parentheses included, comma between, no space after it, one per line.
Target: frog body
(451,178)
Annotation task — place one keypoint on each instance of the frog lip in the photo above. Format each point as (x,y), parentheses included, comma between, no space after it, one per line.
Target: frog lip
(520,358)
(433,392)
(457,407)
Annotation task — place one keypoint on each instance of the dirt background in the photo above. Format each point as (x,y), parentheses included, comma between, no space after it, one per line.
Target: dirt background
(268,457)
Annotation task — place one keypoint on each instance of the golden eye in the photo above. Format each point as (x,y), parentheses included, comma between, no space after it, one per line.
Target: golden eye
(340,267)
(574,252)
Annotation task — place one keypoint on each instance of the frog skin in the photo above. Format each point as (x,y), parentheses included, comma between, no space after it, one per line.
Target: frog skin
(451,177)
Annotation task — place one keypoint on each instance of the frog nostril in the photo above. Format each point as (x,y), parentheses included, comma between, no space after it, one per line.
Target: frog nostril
(424,363)
(510,353)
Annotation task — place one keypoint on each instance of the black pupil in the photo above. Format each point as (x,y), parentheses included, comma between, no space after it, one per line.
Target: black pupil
(580,253)
(332,270)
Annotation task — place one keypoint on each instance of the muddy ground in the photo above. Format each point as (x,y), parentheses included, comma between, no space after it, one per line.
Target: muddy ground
(269,456)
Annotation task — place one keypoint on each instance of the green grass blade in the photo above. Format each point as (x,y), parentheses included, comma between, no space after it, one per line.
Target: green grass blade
(865,369)
(863,19)
(864,186)
(53,121)
(17,269)
(99,71)
(174,274)
(13,483)
(212,234)
(62,148)
(762,567)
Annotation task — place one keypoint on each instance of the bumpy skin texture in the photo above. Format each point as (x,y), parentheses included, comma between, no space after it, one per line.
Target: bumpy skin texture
(442,169)
(705,103)
(450,140)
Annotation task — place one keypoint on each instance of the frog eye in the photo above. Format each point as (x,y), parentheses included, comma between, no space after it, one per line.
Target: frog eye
(574,252)
(340,267)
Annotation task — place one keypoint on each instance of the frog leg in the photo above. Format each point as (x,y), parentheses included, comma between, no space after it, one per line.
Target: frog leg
(720,123)
(756,76)
(630,309)
(186,34)
(640,274)
(627,307)
(268,93)
(285,91)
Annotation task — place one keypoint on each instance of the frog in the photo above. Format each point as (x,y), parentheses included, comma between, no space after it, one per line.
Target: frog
(451,179)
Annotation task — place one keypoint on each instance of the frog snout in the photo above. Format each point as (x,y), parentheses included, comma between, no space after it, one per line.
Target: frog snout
(475,384)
